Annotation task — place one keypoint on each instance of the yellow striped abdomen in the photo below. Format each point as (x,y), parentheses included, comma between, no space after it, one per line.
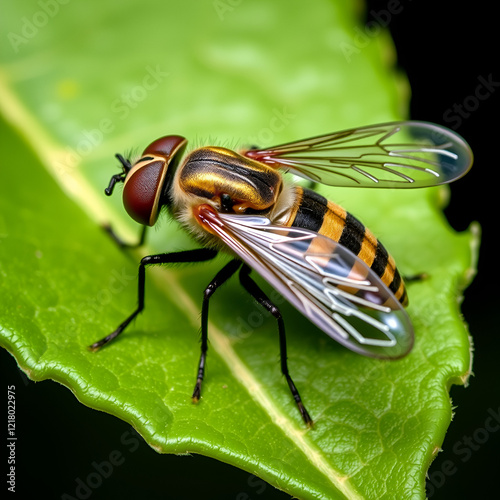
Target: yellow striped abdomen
(314,212)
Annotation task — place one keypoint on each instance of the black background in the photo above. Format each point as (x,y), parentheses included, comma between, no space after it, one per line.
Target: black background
(445,50)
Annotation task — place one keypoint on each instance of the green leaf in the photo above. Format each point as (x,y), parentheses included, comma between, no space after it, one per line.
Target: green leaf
(80,83)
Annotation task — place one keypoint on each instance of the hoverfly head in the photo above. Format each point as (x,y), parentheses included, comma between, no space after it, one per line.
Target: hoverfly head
(148,181)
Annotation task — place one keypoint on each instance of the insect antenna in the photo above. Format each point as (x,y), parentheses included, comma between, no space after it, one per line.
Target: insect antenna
(126,166)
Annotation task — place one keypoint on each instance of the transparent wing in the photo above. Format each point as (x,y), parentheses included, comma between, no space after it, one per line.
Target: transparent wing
(326,282)
(391,155)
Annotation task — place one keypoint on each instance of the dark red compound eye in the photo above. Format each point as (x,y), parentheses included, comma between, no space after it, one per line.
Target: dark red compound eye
(140,192)
(166,146)
(150,177)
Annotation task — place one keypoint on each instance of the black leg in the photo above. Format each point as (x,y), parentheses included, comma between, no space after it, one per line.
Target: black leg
(197,255)
(123,244)
(415,277)
(222,276)
(253,289)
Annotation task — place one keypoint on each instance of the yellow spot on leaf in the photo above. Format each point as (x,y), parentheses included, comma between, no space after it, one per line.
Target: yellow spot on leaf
(67,89)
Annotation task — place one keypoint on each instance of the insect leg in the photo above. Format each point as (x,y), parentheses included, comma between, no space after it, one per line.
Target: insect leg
(197,255)
(412,278)
(221,277)
(123,244)
(253,289)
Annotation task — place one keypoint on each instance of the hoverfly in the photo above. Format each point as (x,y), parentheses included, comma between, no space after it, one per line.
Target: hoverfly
(323,260)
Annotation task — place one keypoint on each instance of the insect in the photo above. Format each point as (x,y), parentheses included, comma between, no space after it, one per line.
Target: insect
(319,257)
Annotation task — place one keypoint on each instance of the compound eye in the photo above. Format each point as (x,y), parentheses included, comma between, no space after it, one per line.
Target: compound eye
(167,146)
(142,190)
(151,177)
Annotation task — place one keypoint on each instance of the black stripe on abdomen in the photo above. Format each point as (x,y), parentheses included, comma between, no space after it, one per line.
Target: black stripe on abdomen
(311,212)
(381,259)
(353,234)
